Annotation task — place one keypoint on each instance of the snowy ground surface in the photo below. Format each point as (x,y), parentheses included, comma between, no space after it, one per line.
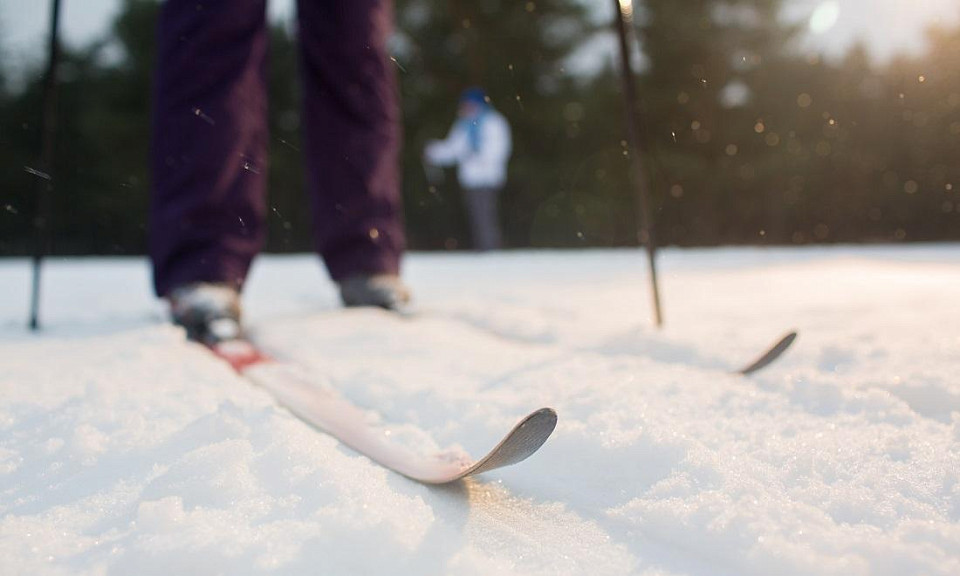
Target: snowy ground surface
(125,450)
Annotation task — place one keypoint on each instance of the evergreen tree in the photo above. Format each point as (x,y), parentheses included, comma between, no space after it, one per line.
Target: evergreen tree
(706,71)
(749,141)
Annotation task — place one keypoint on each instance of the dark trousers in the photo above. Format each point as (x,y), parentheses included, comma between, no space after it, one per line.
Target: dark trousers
(484,217)
(209,149)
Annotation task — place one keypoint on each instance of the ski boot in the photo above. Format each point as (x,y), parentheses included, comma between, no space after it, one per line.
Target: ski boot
(386,291)
(210,313)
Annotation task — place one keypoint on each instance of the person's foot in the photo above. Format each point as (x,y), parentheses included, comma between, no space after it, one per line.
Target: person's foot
(383,290)
(210,313)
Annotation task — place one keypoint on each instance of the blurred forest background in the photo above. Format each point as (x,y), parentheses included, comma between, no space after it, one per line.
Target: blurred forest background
(750,140)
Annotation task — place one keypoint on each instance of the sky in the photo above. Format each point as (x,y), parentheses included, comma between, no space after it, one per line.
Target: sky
(887,26)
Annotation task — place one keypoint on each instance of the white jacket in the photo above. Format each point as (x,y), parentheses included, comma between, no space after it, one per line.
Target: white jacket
(485,167)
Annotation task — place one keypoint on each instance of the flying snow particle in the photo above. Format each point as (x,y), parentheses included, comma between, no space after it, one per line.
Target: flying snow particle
(37,173)
(203,116)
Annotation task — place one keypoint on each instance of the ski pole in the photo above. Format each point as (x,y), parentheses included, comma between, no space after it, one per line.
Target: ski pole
(45,173)
(624,10)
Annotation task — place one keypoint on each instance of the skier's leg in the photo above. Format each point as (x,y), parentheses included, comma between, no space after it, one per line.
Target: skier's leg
(209,142)
(352,135)
(484,219)
(472,201)
(491,219)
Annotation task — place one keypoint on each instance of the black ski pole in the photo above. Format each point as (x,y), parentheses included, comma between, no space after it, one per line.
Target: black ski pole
(48,134)
(624,10)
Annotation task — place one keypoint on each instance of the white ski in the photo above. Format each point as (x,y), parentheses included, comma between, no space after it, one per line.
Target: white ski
(319,405)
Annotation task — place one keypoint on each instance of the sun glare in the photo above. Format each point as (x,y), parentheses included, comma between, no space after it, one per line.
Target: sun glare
(824,17)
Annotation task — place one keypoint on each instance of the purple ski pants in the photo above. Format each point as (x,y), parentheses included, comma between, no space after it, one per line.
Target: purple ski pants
(209,148)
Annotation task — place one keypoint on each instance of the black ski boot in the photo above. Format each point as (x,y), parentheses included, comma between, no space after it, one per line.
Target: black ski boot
(210,313)
(383,290)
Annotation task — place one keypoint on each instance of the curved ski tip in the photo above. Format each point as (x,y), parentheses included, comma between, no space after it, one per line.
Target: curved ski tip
(529,434)
(543,422)
(774,352)
(548,416)
(787,339)
(526,437)
(790,337)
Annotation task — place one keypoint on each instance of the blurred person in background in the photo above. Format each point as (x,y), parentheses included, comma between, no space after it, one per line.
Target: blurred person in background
(209,154)
(479,143)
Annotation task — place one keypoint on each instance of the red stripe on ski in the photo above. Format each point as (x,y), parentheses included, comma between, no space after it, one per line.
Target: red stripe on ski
(240,354)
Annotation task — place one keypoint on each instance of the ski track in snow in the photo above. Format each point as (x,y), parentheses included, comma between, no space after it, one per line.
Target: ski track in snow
(124,449)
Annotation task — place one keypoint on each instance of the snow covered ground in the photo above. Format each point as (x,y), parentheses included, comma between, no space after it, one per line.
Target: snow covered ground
(125,450)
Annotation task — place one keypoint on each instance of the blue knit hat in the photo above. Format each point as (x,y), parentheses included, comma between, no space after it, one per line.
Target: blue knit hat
(474,95)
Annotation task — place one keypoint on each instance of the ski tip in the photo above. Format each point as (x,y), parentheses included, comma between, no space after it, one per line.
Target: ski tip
(545,415)
(771,354)
(541,424)
(543,420)
(529,434)
(526,437)
(786,340)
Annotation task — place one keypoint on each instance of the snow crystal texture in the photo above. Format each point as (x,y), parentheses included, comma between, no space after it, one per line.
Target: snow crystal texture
(126,450)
